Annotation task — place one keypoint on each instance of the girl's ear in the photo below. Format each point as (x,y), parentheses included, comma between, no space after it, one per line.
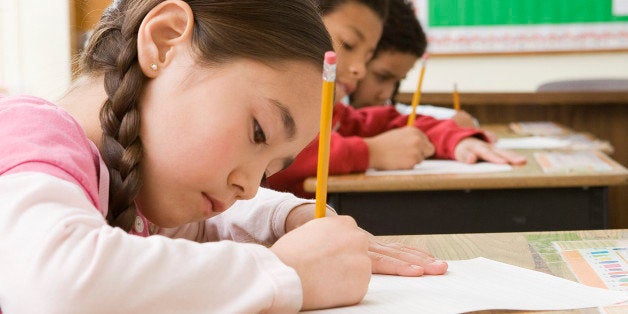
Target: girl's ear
(167,25)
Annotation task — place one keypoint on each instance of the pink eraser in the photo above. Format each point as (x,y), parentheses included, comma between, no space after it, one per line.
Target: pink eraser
(425,56)
(330,57)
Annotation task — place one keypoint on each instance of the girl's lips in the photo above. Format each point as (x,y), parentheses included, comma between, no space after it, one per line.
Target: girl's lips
(212,206)
(348,88)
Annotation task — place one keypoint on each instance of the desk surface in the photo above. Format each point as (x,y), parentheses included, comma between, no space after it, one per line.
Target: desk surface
(527,176)
(517,99)
(525,249)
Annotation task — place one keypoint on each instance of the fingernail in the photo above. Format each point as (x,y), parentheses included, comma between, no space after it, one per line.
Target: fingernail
(416,266)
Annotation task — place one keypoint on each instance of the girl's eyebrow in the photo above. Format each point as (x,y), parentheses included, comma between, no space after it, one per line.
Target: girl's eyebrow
(286,117)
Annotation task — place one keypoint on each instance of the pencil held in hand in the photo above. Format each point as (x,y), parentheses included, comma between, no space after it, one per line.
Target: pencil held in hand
(322,170)
(456,98)
(417,93)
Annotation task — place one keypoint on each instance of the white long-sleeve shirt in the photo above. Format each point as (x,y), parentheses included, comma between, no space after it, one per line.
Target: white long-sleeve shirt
(59,255)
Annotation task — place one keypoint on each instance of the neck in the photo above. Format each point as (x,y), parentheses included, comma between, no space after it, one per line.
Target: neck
(83,101)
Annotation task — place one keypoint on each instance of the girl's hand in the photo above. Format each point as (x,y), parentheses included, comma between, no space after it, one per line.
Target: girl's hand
(386,258)
(471,150)
(399,148)
(398,259)
(331,257)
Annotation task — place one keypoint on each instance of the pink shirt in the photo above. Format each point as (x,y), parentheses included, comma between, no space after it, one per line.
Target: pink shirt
(59,255)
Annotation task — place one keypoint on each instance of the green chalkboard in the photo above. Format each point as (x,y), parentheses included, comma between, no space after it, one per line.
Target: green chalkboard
(444,13)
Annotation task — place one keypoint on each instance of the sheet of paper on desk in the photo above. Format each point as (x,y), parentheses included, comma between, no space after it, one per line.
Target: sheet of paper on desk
(438,166)
(531,142)
(573,162)
(544,128)
(478,284)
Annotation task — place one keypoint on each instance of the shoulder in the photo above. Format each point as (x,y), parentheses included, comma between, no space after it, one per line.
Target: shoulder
(36,135)
(22,113)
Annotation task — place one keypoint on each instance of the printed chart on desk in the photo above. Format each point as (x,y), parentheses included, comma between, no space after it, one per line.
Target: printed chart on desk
(598,263)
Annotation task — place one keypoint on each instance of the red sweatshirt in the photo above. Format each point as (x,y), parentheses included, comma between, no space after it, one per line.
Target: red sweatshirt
(348,150)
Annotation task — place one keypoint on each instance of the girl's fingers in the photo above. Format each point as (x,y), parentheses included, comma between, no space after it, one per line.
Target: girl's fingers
(404,260)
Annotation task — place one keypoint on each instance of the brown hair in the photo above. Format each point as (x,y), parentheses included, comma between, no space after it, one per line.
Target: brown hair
(264,30)
(379,7)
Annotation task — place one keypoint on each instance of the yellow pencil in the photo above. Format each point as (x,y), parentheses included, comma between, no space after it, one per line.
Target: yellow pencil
(456,98)
(327,104)
(417,93)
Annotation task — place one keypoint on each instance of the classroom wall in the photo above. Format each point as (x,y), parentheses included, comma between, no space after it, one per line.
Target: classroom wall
(35,46)
(514,73)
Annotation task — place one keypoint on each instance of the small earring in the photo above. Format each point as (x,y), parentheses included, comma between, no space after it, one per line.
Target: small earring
(153,67)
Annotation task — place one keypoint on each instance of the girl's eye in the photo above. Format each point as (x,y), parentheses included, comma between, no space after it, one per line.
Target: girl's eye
(347,46)
(258,134)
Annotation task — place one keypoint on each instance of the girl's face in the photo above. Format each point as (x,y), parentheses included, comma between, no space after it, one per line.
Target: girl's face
(211,133)
(355,30)
(383,73)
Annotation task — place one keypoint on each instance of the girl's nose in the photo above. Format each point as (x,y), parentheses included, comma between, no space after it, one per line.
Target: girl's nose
(358,70)
(245,185)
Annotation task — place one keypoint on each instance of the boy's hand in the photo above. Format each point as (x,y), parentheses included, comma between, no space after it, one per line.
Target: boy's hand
(464,119)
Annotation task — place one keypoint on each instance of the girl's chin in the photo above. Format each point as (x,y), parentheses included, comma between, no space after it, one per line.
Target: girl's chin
(340,93)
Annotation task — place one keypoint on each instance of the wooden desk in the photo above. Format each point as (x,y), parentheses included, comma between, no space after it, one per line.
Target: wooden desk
(526,199)
(530,250)
(603,114)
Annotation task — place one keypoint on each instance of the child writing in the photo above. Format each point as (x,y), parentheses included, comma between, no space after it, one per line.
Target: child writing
(376,137)
(189,104)
(402,43)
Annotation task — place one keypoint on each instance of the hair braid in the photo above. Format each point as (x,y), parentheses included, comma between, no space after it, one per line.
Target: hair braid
(114,54)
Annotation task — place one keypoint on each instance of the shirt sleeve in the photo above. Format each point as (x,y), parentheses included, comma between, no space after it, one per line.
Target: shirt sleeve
(444,134)
(60,256)
(260,220)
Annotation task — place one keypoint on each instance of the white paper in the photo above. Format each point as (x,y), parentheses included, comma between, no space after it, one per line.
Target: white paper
(427,110)
(444,166)
(478,284)
(531,142)
(571,162)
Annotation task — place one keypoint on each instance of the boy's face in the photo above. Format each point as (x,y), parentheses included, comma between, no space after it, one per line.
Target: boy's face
(210,134)
(383,73)
(355,30)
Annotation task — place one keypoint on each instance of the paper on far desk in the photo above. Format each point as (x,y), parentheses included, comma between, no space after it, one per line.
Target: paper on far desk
(427,110)
(478,284)
(570,162)
(531,142)
(437,166)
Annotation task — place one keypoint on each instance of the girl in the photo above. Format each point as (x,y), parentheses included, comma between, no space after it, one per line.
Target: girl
(189,104)
(376,137)
(402,43)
